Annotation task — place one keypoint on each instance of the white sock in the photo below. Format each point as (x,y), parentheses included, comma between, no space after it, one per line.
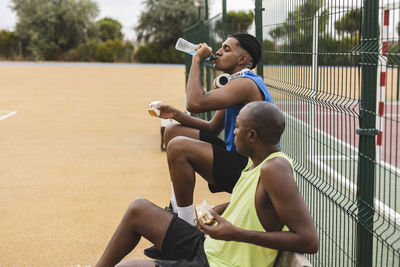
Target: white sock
(186,213)
(173,199)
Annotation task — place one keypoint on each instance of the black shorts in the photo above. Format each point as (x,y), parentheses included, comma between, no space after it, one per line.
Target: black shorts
(228,165)
(183,246)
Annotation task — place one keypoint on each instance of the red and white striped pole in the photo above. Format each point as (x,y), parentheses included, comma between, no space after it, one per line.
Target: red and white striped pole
(381,81)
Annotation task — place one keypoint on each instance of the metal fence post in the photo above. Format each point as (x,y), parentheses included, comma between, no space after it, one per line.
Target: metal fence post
(224,26)
(259,35)
(207,66)
(366,167)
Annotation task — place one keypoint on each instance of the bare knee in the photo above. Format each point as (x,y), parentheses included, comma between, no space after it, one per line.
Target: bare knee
(177,147)
(171,131)
(137,207)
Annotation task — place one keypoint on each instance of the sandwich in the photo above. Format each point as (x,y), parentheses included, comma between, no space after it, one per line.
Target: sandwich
(202,213)
(153,108)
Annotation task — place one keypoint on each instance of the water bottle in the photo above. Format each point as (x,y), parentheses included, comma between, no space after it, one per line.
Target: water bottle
(188,47)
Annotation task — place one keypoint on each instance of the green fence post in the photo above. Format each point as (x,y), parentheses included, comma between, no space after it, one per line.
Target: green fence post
(224,28)
(366,154)
(259,35)
(207,65)
(206,9)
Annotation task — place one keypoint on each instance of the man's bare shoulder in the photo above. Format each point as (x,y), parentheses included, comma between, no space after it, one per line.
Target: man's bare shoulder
(277,170)
(243,82)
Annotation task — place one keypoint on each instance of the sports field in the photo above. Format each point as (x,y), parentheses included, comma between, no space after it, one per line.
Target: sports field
(76,147)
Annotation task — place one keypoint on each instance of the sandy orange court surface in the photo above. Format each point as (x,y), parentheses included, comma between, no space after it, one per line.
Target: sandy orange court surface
(78,150)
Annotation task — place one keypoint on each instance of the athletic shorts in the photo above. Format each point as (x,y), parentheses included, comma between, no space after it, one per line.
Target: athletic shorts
(183,246)
(228,165)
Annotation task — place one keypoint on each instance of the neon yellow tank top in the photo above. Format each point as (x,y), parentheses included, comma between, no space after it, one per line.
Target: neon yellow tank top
(241,212)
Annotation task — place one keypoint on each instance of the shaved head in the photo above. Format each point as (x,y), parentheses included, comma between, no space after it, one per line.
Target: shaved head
(266,119)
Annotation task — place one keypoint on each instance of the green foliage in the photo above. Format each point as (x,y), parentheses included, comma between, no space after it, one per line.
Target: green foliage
(8,44)
(84,52)
(109,29)
(239,21)
(171,55)
(297,36)
(297,33)
(236,22)
(393,52)
(298,27)
(163,21)
(350,22)
(104,53)
(50,28)
(398,29)
(114,51)
(109,51)
(271,55)
(157,53)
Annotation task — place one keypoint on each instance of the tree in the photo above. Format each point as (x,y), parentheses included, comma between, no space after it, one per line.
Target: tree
(157,53)
(49,28)
(164,21)
(239,21)
(109,29)
(8,44)
(297,32)
(350,22)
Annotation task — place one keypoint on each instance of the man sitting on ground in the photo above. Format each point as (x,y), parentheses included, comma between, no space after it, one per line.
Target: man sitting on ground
(266,212)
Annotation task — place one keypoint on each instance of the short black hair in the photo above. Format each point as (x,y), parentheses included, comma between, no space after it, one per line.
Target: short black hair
(249,43)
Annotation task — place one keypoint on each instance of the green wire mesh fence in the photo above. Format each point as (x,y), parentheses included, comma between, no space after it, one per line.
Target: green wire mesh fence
(333,69)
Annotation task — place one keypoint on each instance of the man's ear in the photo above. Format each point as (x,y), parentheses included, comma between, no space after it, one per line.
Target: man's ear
(253,135)
(243,60)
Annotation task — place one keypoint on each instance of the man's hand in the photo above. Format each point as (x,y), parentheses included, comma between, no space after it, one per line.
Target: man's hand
(167,111)
(222,230)
(203,52)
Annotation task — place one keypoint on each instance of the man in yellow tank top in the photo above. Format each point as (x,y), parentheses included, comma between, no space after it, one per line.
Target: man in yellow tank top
(266,212)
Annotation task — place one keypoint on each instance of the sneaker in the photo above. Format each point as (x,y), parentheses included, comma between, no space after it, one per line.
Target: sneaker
(169,208)
(153,252)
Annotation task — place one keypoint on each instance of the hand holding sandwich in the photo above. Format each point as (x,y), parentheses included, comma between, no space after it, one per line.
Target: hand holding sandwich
(167,111)
(222,229)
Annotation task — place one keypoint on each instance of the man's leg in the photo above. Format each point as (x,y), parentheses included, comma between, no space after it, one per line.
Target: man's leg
(173,130)
(133,226)
(185,157)
(177,129)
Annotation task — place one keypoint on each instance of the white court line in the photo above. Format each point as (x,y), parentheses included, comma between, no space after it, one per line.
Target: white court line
(381,162)
(339,113)
(335,157)
(9,114)
(379,205)
(316,113)
(324,134)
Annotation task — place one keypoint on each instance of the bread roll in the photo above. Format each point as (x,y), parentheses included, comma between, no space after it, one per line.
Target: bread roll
(202,212)
(153,108)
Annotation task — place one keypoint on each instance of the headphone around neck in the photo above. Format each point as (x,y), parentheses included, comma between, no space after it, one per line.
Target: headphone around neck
(224,78)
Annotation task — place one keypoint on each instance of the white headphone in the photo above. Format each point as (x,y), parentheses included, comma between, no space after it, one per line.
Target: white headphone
(224,78)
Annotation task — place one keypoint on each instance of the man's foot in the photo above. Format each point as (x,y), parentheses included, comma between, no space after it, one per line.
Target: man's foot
(153,252)
(169,208)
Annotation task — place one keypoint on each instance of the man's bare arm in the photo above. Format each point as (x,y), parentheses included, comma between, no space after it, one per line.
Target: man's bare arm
(219,209)
(215,125)
(242,90)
